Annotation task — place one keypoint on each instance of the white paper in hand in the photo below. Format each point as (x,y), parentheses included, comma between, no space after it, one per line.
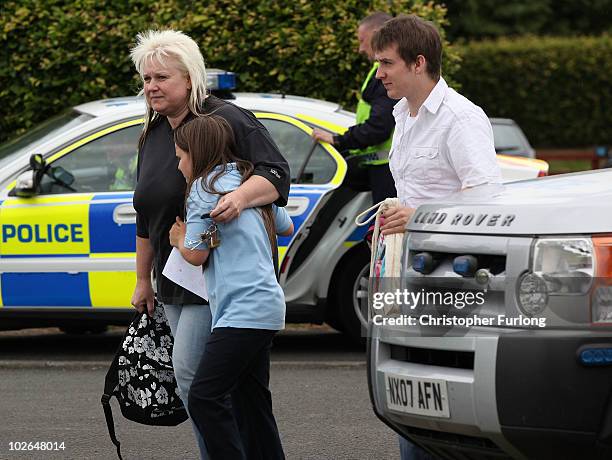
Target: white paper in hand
(185,275)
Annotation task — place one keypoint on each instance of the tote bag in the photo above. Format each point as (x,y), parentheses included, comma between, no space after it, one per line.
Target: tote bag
(386,258)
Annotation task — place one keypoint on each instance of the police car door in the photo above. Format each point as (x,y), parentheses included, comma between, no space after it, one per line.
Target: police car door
(321,169)
(75,246)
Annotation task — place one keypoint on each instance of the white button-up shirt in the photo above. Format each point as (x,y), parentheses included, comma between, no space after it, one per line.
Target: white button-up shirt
(446,147)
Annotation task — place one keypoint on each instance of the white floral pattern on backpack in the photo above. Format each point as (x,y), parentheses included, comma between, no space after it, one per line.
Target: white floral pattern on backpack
(146,377)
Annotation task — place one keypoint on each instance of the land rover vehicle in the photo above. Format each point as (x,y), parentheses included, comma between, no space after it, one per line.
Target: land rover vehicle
(67,250)
(532,377)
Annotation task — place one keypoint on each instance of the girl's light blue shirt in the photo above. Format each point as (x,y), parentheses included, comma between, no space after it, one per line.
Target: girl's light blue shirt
(242,287)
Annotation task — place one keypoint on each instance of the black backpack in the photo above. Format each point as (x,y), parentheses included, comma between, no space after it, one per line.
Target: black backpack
(141,376)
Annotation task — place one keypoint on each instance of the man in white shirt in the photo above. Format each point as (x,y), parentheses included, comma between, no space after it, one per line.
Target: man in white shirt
(442,142)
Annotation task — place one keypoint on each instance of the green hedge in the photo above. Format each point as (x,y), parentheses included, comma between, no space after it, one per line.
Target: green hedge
(557,89)
(60,53)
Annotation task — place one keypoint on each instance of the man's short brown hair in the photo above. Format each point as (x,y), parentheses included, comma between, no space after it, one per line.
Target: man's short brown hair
(413,36)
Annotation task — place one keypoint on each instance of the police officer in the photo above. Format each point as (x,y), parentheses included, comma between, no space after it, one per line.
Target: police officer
(125,174)
(370,138)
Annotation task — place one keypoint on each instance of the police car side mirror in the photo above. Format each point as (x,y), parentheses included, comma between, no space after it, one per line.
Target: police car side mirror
(25,186)
(27,182)
(37,162)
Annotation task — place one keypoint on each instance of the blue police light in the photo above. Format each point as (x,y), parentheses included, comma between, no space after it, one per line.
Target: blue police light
(601,151)
(424,263)
(596,356)
(465,266)
(218,79)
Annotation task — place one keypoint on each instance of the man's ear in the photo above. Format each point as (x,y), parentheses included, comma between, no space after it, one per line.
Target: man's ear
(420,64)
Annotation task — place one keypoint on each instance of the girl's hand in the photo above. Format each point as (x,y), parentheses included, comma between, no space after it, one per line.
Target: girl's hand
(177,233)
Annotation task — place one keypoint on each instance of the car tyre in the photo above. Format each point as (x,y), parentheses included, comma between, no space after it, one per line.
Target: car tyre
(351,287)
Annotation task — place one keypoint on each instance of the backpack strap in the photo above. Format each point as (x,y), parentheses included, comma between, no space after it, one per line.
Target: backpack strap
(108,415)
(110,384)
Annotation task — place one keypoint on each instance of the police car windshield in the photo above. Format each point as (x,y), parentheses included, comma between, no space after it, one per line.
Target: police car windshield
(508,139)
(28,142)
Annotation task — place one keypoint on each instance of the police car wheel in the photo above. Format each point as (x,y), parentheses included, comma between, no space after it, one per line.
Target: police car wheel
(352,288)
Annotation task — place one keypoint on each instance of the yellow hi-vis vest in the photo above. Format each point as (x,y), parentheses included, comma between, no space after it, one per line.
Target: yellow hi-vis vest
(374,152)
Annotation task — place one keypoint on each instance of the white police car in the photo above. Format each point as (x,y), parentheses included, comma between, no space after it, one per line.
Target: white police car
(67,249)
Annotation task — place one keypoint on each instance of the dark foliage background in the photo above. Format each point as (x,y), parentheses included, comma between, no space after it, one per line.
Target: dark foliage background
(59,53)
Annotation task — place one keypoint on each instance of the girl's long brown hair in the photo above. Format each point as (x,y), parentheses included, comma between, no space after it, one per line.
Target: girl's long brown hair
(209,140)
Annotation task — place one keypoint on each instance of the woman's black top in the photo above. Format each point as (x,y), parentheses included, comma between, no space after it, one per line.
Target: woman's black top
(160,191)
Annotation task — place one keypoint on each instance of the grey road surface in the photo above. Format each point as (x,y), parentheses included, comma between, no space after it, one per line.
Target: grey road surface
(50,387)
(296,343)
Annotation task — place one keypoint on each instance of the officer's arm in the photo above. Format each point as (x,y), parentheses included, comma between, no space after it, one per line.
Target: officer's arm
(376,129)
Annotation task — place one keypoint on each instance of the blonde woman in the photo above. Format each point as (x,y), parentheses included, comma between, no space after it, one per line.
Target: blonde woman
(174,85)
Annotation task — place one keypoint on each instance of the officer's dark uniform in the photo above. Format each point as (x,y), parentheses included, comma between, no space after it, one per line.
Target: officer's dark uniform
(370,138)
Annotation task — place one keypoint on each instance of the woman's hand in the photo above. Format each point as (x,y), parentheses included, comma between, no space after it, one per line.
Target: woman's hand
(256,191)
(143,297)
(228,207)
(177,233)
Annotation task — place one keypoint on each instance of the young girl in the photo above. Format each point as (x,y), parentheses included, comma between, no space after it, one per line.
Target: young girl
(229,400)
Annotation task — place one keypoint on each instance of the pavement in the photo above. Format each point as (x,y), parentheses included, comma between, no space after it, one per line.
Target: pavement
(305,345)
(51,385)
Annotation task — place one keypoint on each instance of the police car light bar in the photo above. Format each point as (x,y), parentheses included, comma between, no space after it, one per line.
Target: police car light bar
(218,79)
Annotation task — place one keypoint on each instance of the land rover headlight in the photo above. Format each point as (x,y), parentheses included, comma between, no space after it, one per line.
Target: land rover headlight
(559,266)
(532,294)
(565,264)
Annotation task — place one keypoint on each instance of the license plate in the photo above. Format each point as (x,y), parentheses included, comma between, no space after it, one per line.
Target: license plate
(417,395)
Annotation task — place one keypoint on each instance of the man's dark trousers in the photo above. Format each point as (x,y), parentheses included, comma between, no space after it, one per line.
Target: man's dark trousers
(381,182)
(229,398)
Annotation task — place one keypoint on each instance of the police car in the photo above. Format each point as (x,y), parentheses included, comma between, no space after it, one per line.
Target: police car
(67,247)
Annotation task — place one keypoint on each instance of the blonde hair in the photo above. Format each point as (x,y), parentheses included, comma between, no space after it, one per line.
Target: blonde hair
(171,44)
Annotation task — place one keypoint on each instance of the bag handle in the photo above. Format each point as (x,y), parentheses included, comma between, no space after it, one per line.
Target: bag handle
(361,215)
(110,383)
(382,206)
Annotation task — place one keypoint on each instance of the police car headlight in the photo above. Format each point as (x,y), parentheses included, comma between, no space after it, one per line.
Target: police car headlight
(566,265)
